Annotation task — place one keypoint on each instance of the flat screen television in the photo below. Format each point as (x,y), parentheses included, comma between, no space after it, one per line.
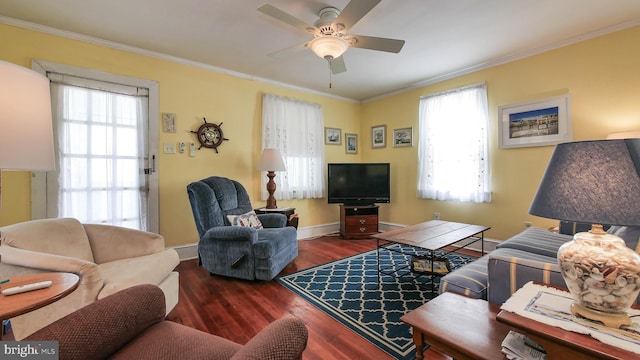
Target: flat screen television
(358,184)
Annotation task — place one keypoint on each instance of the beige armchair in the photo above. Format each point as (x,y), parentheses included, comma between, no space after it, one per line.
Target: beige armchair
(107,259)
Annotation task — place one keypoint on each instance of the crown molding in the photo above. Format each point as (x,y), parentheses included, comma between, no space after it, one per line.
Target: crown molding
(158,55)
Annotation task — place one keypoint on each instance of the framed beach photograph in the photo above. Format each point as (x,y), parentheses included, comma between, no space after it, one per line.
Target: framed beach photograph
(351,143)
(378,136)
(403,137)
(542,122)
(332,136)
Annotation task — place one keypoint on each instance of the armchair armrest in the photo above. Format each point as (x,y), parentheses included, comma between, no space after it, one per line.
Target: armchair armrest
(268,343)
(231,233)
(510,270)
(99,329)
(91,280)
(88,271)
(109,243)
(273,220)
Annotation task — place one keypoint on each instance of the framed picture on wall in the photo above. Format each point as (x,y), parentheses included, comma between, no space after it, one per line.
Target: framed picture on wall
(541,122)
(332,136)
(403,137)
(378,136)
(351,143)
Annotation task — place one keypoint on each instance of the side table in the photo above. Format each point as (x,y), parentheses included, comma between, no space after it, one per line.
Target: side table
(289,212)
(18,304)
(460,327)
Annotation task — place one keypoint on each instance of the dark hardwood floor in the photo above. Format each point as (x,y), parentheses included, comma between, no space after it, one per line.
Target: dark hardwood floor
(238,310)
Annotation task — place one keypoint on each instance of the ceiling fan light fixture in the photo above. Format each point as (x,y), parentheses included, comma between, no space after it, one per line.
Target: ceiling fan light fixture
(329,47)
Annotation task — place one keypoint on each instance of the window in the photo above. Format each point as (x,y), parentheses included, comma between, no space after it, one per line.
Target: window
(101,136)
(453,151)
(104,158)
(296,128)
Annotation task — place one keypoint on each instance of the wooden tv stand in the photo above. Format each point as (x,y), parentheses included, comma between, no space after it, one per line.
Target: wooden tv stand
(358,222)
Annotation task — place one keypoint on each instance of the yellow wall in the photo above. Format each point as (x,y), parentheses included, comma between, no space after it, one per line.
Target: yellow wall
(191,93)
(600,74)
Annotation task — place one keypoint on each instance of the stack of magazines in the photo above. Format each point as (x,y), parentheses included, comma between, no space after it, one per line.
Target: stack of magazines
(519,347)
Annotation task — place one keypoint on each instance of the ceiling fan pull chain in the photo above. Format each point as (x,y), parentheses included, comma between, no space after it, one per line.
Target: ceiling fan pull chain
(329,64)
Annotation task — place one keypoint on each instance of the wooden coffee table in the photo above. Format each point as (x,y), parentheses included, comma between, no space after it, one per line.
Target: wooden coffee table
(430,236)
(458,326)
(18,304)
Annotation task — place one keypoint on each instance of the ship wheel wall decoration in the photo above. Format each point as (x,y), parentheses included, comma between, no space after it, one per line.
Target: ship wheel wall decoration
(210,135)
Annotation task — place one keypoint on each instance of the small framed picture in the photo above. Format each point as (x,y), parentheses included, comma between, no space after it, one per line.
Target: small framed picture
(378,136)
(332,136)
(169,122)
(403,137)
(351,143)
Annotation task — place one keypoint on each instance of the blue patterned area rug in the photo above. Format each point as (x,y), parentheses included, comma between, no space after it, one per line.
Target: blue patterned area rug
(348,290)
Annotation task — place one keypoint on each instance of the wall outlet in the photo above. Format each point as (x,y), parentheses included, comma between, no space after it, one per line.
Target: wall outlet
(436,216)
(182,146)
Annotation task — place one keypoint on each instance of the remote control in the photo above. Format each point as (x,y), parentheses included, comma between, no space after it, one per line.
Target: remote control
(26,287)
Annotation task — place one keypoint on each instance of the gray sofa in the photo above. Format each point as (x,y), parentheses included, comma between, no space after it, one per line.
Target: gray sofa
(527,256)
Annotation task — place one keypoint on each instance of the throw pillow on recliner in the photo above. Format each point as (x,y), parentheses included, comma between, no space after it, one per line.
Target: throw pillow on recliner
(249,219)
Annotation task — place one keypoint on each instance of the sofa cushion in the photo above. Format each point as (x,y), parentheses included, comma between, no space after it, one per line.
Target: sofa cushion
(169,340)
(536,240)
(630,235)
(148,269)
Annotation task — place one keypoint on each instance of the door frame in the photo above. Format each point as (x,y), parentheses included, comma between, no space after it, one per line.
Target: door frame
(38,179)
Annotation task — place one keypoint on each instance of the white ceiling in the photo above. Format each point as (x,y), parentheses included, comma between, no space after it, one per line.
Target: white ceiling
(443,37)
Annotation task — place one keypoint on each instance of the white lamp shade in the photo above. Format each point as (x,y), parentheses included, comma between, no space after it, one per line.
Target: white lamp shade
(329,47)
(271,160)
(26,134)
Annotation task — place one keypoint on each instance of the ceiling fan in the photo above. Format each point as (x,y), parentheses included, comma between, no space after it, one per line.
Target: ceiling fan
(330,38)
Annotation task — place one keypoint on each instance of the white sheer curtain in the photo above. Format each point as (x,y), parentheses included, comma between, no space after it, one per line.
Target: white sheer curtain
(101,153)
(296,128)
(453,148)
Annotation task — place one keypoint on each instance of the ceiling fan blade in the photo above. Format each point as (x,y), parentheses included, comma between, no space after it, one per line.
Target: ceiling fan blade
(286,52)
(286,18)
(353,12)
(337,65)
(375,43)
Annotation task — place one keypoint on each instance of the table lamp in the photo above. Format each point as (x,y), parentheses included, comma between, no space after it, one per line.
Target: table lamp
(596,182)
(26,135)
(271,161)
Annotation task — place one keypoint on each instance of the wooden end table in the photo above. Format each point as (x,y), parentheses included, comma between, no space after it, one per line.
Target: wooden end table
(562,344)
(18,304)
(458,326)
